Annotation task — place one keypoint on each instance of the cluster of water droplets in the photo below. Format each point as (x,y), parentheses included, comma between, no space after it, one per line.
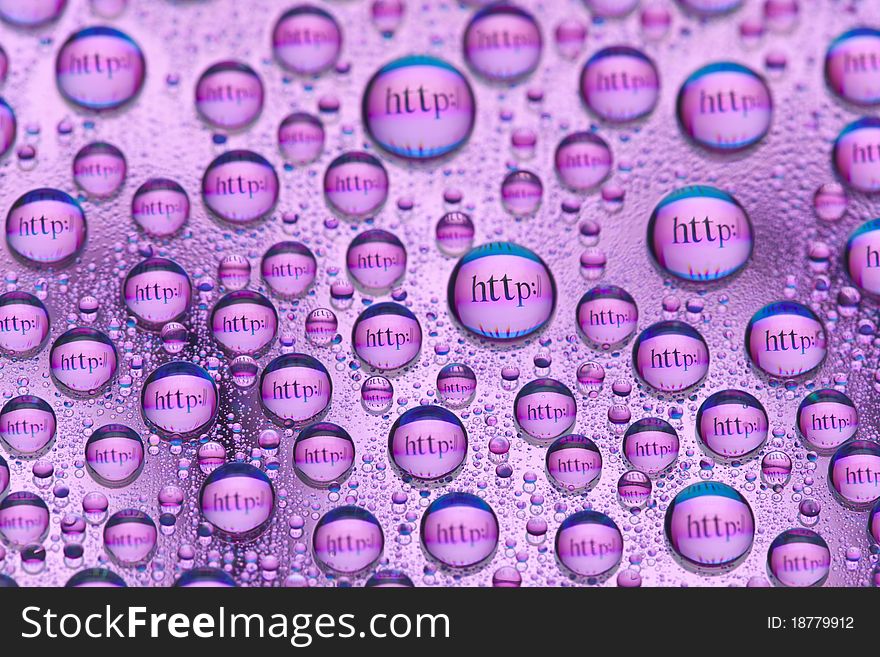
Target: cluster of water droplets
(439,293)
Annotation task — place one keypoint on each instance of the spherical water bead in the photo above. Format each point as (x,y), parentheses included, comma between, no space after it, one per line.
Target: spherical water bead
(94,505)
(583,161)
(826,419)
(611,8)
(301,138)
(376,260)
(570,35)
(100,68)
(42,470)
(620,84)
(387,336)
(24,519)
(83,361)
(387,16)
(114,455)
(808,511)
(854,474)
(99,169)
(732,424)
(419,108)
(45,227)
(320,326)
(655,20)
(33,558)
(452,196)
(27,426)
(818,257)
(671,356)
(5,477)
(157,291)
(34,13)
(427,443)
(502,43)
(389,579)
(629,578)
(710,8)
(607,316)
(651,445)
(521,193)
(202,577)
(830,201)
(589,544)
(873,524)
(171,499)
(862,257)
(799,558)
(710,525)
(856,155)
(323,454)
(294,388)
(347,540)
(355,185)
(306,40)
(590,376)
(523,142)
(377,394)
(619,414)
(244,370)
(24,324)
(459,530)
(781,15)
(509,377)
(786,338)
(289,269)
(108,8)
(456,384)
(852,66)
(95,577)
(160,207)
(545,409)
(234,272)
(776,468)
(700,233)
(589,231)
(240,187)
(573,462)
(455,233)
(724,107)
(179,398)
(174,337)
(211,455)
(130,537)
(229,95)
(612,197)
(238,500)
(341,294)
(592,264)
(244,322)
(775,63)
(8,127)
(634,489)
(501,290)
(88,307)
